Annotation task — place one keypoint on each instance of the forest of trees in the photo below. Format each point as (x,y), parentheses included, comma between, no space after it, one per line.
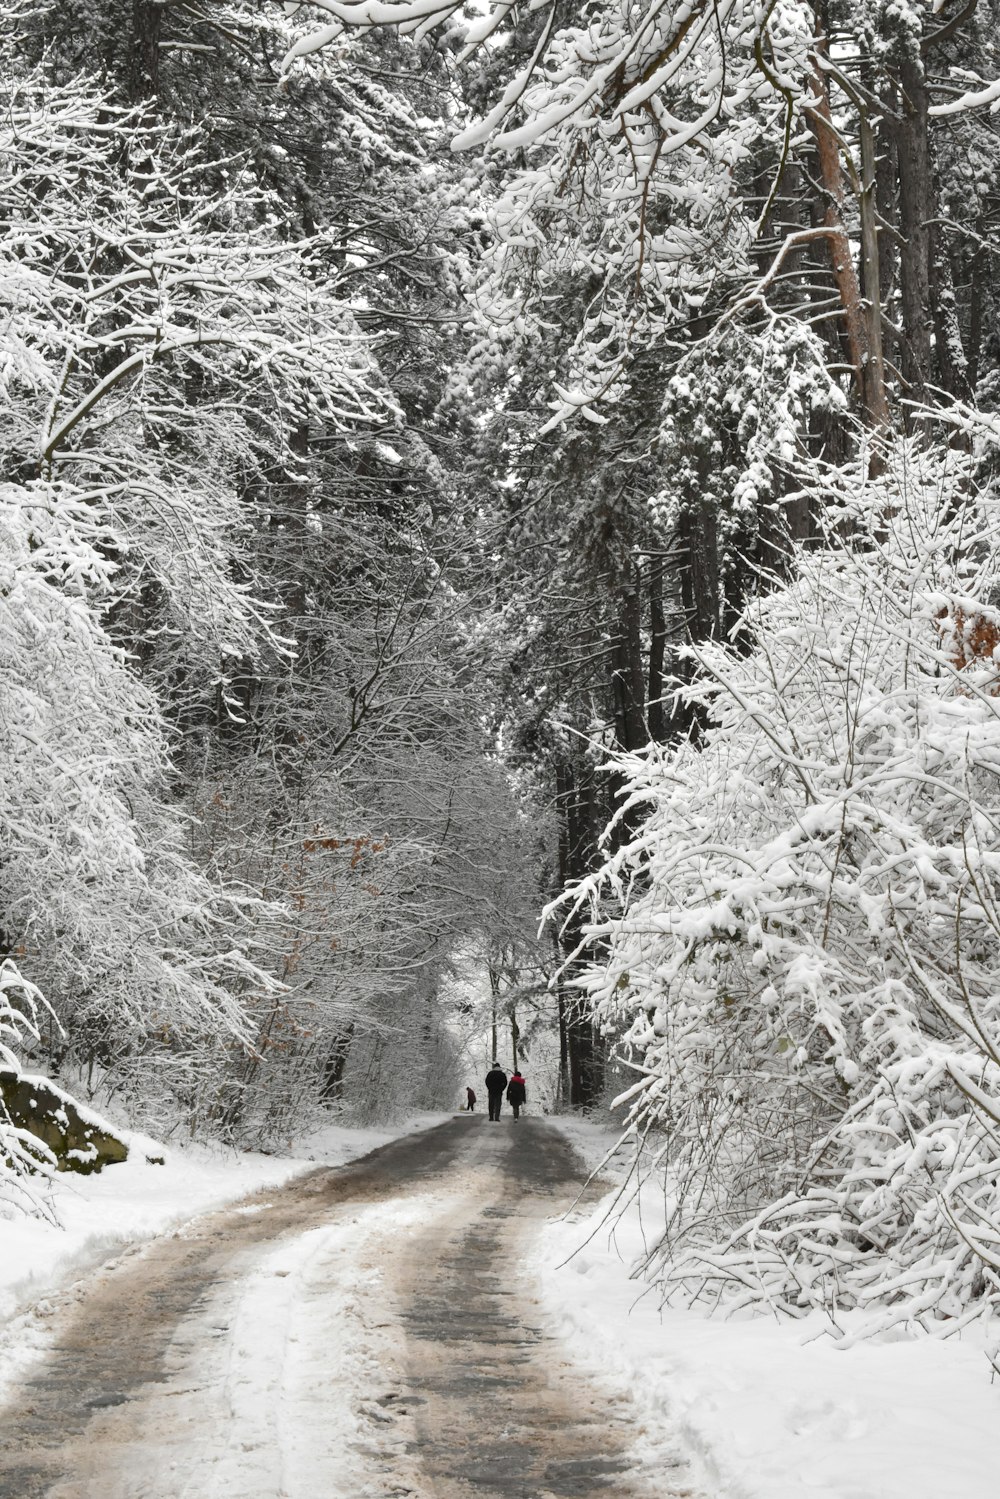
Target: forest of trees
(461,462)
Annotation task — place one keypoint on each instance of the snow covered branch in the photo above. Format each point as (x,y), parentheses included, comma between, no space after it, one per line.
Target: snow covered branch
(801,940)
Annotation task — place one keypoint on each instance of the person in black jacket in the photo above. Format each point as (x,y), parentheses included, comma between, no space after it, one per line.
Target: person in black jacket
(516,1094)
(496,1081)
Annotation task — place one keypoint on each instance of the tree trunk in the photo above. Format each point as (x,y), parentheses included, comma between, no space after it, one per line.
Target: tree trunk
(876,400)
(916,209)
(627,675)
(142,66)
(860,321)
(978,271)
(886,178)
(698,544)
(950,359)
(656,716)
(336,1064)
(582,1057)
(563,1046)
(494,1032)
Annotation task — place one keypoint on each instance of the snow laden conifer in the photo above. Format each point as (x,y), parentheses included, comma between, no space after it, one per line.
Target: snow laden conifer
(800,944)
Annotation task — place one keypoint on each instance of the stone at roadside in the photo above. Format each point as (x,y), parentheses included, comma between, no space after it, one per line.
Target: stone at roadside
(79,1139)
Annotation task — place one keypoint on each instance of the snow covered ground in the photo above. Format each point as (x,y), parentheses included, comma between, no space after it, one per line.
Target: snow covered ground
(101,1216)
(767,1413)
(273,1388)
(763,1413)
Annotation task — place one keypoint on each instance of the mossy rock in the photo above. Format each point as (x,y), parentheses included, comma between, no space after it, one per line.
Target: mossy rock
(80,1140)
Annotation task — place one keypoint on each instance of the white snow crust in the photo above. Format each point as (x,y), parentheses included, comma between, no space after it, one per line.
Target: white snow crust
(272,1387)
(289,1359)
(103,1215)
(768,1410)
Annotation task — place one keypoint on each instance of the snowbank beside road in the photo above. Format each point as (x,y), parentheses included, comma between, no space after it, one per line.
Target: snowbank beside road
(768,1414)
(101,1214)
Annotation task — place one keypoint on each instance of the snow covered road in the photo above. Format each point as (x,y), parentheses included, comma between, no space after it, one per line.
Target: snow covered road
(368,1331)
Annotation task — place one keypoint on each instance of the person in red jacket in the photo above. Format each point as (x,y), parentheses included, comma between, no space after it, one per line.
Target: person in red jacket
(470,1100)
(516,1094)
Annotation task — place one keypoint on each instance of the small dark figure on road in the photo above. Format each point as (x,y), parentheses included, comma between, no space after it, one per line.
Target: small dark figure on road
(516,1095)
(470,1100)
(496,1081)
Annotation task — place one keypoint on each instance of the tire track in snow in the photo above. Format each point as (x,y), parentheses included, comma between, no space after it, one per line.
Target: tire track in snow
(366,1331)
(503,1412)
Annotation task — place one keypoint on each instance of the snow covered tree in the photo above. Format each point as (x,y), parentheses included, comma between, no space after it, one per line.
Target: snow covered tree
(801,939)
(327,726)
(366,465)
(156,340)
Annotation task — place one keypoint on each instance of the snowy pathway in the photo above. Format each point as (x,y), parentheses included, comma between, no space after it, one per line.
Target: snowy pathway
(368,1332)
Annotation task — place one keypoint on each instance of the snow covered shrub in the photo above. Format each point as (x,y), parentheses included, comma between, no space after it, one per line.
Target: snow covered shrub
(24,1160)
(801,946)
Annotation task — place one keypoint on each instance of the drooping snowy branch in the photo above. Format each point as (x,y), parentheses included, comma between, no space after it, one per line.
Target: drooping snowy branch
(801,939)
